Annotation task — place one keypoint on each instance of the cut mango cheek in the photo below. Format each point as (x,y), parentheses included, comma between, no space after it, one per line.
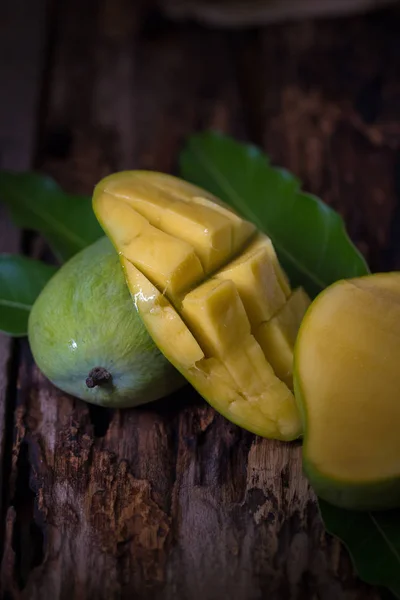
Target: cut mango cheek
(176,245)
(270,413)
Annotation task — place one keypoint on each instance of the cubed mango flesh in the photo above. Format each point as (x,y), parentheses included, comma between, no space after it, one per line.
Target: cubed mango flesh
(259,279)
(203,282)
(167,261)
(277,337)
(216,315)
(269,413)
(179,210)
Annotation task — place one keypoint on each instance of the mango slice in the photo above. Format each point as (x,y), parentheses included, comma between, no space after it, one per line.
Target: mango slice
(277,336)
(346,380)
(202,281)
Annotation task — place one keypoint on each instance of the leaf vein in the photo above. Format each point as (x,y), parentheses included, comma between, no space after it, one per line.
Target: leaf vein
(15,304)
(390,545)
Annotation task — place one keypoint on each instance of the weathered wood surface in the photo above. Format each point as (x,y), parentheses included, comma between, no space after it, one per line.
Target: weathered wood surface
(172,501)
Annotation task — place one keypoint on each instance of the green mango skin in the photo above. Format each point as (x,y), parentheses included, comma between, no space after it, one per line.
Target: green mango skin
(85,318)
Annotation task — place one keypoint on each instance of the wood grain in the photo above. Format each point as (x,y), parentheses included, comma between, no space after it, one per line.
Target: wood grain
(171,500)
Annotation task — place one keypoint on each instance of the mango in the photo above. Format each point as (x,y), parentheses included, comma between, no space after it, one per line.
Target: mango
(259,279)
(182,210)
(346,363)
(266,414)
(277,337)
(203,280)
(87,340)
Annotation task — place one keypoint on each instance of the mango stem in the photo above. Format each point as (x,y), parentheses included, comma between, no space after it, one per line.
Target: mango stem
(98,376)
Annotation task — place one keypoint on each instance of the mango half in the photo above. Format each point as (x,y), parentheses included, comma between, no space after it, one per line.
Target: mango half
(347,358)
(205,283)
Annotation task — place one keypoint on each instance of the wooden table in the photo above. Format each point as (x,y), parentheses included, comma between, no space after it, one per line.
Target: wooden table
(172,501)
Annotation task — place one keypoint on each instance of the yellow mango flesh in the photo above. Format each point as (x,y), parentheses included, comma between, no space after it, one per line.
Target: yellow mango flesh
(210,234)
(241,230)
(167,261)
(178,246)
(179,210)
(215,314)
(277,336)
(162,320)
(346,379)
(267,414)
(259,279)
(187,192)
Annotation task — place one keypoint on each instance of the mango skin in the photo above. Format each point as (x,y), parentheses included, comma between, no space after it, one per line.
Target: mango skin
(85,318)
(366,496)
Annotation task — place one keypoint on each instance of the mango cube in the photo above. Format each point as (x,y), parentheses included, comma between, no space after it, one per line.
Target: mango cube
(178,210)
(208,232)
(254,274)
(216,315)
(147,199)
(277,337)
(170,263)
(242,230)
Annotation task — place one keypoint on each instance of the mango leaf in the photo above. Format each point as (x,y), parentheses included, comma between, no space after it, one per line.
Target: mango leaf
(313,245)
(21,281)
(66,221)
(309,237)
(373,541)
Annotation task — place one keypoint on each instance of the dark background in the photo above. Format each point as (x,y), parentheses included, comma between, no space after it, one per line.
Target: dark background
(171,500)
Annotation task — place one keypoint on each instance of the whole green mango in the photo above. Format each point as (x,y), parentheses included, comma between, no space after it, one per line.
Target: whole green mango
(88,339)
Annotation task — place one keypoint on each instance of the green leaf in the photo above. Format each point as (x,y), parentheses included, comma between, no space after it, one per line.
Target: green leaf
(312,244)
(21,281)
(373,541)
(36,202)
(309,237)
